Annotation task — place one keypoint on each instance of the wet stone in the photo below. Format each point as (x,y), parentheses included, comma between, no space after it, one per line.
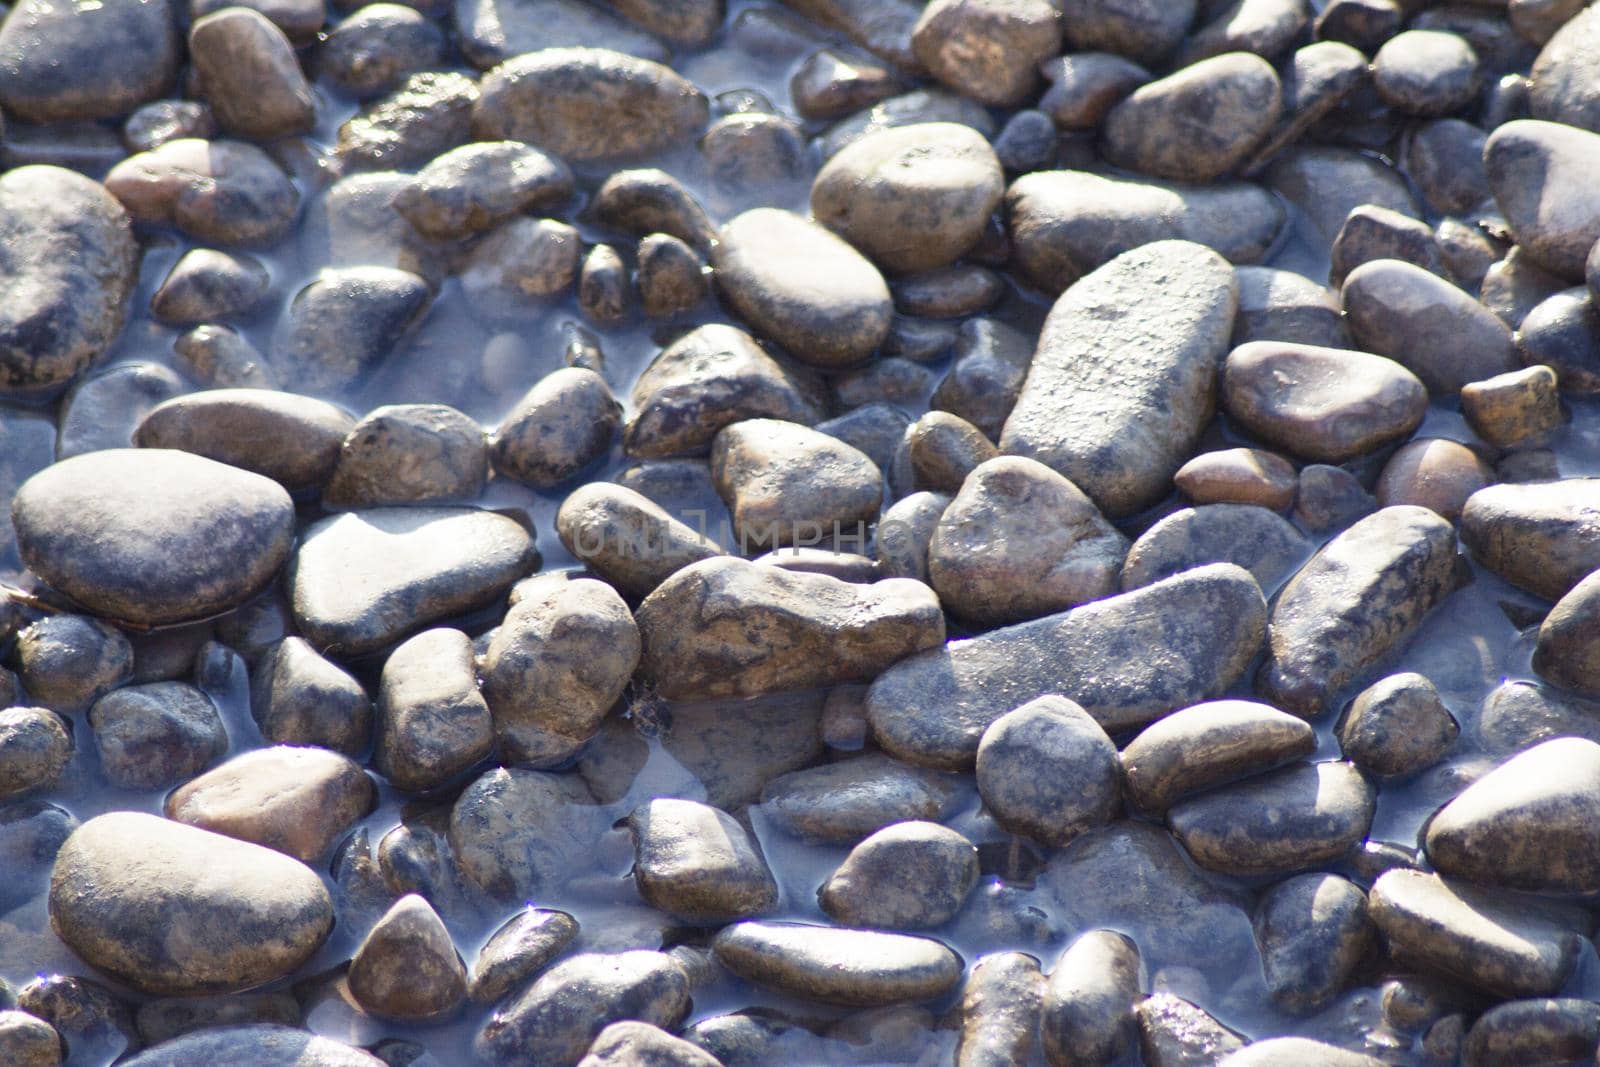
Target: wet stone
(518,950)
(1298,1050)
(409,454)
(987,49)
(1330,496)
(1247,476)
(831,84)
(754,156)
(1067,223)
(1434,473)
(1313,931)
(912,875)
(627,539)
(1514,408)
(876,429)
(1562,332)
(257,914)
(1327,183)
(625,1043)
(564,423)
(1085,86)
(1533,1031)
(846,801)
(34,749)
(250,75)
(1260,541)
(91,1019)
(1445,159)
(357,223)
(161,121)
(131,46)
(1522,825)
(1379,233)
(1207,745)
(645,201)
(1515,285)
(70,264)
(1538,537)
(297,697)
(1145,30)
(301,20)
(292,439)
(496,30)
(170,1017)
(1048,771)
(588,104)
(1294,819)
(1020,541)
(554,1020)
(27,1041)
(698,864)
(520,267)
(838,966)
(366,578)
(1265,27)
(944,450)
(407,967)
(1566,654)
(432,721)
(378,47)
(1363,595)
(69,661)
(207,285)
(802,287)
(911,198)
(787,484)
(343,324)
(1181,336)
(263,1045)
(1536,170)
(429,114)
(101,411)
(1087,1012)
(711,377)
(156,736)
(604,291)
(1224,107)
(1280,305)
(478,186)
(1122,659)
(221,192)
(904,533)
(556,665)
(521,835)
(1397,727)
(948,293)
(999,1011)
(1488,941)
(818,630)
(670,277)
(1176,1033)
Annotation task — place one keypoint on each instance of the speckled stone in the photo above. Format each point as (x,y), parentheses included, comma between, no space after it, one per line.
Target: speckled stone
(859,968)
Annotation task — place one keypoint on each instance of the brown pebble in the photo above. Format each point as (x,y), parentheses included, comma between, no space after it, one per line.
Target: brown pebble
(1433,473)
(1238,476)
(1512,408)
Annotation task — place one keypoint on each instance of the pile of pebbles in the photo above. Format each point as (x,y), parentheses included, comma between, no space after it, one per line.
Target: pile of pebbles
(980,532)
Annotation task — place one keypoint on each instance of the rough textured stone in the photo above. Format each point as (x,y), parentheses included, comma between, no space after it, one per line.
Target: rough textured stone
(496,30)
(630,1043)
(1542,537)
(69,661)
(298,697)
(262,1045)
(344,324)
(220,192)
(1197,124)
(1313,931)
(1208,745)
(1515,408)
(156,736)
(560,426)
(1256,539)
(429,114)
(1000,1011)
(478,186)
(912,875)
(789,484)
(1088,1004)
(1161,315)
(518,950)
(292,439)
(253,915)
(844,802)
(698,864)
(859,968)
(1127,660)
(987,49)
(520,834)
(407,968)
(1397,726)
(432,721)
(131,46)
(34,749)
(628,539)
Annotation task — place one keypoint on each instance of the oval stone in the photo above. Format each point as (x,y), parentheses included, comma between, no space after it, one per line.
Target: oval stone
(864,968)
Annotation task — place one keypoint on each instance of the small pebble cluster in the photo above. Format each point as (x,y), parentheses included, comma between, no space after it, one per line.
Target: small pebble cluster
(821,532)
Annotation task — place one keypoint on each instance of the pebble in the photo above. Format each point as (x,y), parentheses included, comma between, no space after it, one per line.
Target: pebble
(1562,332)
(1517,715)
(1260,541)
(1328,183)
(1565,653)
(432,722)
(1127,660)
(1066,224)
(556,665)
(713,376)
(161,121)
(912,198)
(843,802)
(1372,233)
(375,49)
(1522,825)
(219,192)
(670,276)
(292,439)
(559,427)
(519,834)
(101,410)
(802,287)
(1280,1050)
(789,484)
(1313,932)
(830,84)
(249,74)
(1085,86)
(1559,88)
(1279,305)
(495,30)
(27,1041)
(627,539)
(1249,476)
(409,454)
(912,875)
(604,291)
(1539,536)
(520,267)
(1179,300)
(131,46)
(626,1043)
(407,968)
(1020,541)
(689,25)
(1445,159)
(1363,595)
(1048,771)
(1000,1005)
(344,323)
(697,864)
(68,661)
(1198,124)
(207,285)
(988,50)
(520,949)
(1397,726)
(66,309)
(1533,1031)
(1426,72)
(555,1020)
(646,201)
(1176,1033)
(813,630)
(1208,745)
(1265,27)
(474,188)
(953,292)
(1515,285)
(944,450)
(170,1017)
(1514,408)
(262,1045)
(364,579)
(1087,1013)
(876,429)
(858,968)
(1434,473)
(1295,819)
(904,533)
(1472,935)
(1536,170)
(156,736)
(299,698)
(1146,31)
(429,114)
(588,105)
(34,749)
(254,915)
